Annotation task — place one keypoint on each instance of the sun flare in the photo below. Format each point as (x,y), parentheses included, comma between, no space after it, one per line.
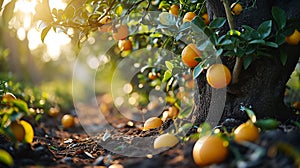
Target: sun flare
(23,23)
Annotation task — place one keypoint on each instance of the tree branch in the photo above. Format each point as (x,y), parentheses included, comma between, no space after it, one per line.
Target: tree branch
(239,62)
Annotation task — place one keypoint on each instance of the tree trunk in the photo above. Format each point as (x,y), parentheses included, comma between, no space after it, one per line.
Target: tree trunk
(262,85)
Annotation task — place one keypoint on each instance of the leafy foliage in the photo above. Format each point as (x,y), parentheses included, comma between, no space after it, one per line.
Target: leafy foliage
(32,105)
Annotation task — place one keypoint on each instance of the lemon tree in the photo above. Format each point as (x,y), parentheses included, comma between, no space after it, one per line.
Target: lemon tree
(260,44)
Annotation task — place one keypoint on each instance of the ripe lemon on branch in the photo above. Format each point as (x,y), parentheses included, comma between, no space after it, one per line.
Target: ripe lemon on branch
(190,54)
(218,76)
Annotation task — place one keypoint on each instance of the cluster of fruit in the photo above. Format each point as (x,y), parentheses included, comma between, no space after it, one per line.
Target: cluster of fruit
(119,32)
(67,120)
(214,148)
(209,149)
(218,75)
(164,140)
(17,129)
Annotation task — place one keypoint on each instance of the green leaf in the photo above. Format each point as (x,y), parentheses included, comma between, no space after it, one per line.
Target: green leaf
(199,22)
(197,70)
(279,17)
(219,52)
(185,26)
(226,42)
(283,56)
(167,19)
(247,62)
(163,5)
(203,45)
(167,75)
(296,123)
(250,113)
(45,32)
(250,33)
(257,42)
(185,112)
(217,23)
(21,105)
(280,38)
(38,117)
(267,124)
(186,127)
(265,29)
(271,44)
(205,129)
(6,158)
(169,65)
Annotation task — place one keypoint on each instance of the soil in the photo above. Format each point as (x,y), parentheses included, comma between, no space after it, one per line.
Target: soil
(57,147)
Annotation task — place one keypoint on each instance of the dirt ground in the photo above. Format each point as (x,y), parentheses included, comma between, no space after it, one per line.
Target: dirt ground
(57,147)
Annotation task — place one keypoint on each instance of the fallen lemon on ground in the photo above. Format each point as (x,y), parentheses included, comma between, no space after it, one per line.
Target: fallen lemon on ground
(209,150)
(151,123)
(53,111)
(29,133)
(68,121)
(17,130)
(218,76)
(165,140)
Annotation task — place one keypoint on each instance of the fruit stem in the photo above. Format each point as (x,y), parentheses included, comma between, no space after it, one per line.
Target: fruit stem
(239,62)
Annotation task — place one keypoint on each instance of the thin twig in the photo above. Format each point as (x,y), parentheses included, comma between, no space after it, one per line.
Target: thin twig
(106,12)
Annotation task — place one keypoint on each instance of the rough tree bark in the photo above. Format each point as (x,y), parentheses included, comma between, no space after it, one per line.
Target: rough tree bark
(262,85)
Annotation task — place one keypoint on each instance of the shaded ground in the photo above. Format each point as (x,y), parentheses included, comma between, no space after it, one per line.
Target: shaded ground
(57,147)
